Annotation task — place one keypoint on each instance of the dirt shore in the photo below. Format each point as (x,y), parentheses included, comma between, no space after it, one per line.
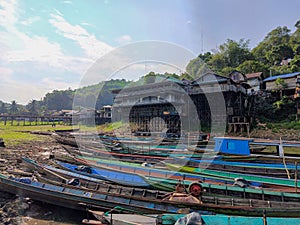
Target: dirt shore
(16,210)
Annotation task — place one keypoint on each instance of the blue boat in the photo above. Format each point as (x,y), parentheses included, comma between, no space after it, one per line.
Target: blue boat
(123,178)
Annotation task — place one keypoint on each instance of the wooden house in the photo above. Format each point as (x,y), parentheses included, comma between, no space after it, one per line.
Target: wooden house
(288,86)
(255,80)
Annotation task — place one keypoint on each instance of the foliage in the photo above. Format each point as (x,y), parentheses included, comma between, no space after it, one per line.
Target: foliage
(285,125)
(277,53)
(13,108)
(280,83)
(252,66)
(283,108)
(195,69)
(3,108)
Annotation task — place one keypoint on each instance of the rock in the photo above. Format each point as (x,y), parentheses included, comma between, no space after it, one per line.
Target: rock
(48,213)
(23,206)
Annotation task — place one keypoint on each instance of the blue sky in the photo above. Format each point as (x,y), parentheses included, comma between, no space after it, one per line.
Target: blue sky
(50,44)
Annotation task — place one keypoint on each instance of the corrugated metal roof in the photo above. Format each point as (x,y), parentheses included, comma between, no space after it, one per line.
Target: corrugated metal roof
(253,75)
(283,76)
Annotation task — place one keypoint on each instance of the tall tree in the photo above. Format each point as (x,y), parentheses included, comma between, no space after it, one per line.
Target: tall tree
(230,55)
(13,108)
(278,36)
(32,107)
(295,39)
(3,108)
(252,66)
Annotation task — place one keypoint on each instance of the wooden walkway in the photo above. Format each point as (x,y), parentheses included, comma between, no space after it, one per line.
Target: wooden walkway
(34,120)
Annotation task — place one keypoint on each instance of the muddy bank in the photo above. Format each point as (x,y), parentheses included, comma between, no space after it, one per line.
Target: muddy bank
(16,210)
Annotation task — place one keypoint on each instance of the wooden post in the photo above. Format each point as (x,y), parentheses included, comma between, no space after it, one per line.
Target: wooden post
(5,118)
(264,217)
(296,176)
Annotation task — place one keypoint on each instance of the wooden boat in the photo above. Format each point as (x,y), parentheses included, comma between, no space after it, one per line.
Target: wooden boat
(241,146)
(149,171)
(69,197)
(267,181)
(210,176)
(231,220)
(150,157)
(80,199)
(228,190)
(122,178)
(166,184)
(263,169)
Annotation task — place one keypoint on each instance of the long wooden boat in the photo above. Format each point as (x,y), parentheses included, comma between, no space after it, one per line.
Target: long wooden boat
(210,176)
(62,176)
(267,181)
(263,169)
(149,171)
(70,197)
(80,199)
(228,190)
(150,157)
(170,219)
(122,178)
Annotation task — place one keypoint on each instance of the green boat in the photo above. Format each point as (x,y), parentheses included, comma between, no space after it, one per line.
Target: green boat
(267,181)
(170,219)
(227,190)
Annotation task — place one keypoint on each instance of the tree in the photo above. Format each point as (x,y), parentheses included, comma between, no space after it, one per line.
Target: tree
(278,36)
(196,68)
(295,39)
(278,53)
(3,108)
(281,85)
(149,78)
(252,66)
(13,108)
(206,56)
(32,107)
(217,62)
(230,54)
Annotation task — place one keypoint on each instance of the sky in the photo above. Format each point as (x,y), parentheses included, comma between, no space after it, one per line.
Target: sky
(51,44)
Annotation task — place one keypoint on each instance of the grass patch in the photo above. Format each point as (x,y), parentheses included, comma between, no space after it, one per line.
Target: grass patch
(18,134)
(285,125)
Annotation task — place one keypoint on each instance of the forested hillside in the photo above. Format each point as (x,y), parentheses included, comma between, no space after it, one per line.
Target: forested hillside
(63,99)
(277,53)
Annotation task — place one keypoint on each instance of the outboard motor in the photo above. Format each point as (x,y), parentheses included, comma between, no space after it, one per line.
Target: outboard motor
(241,182)
(85,169)
(74,182)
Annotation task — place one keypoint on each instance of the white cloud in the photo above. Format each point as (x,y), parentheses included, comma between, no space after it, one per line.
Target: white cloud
(8,13)
(188,22)
(92,47)
(31,20)
(124,39)
(67,2)
(17,46)
(37,55)
(10,89)
(86,24)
